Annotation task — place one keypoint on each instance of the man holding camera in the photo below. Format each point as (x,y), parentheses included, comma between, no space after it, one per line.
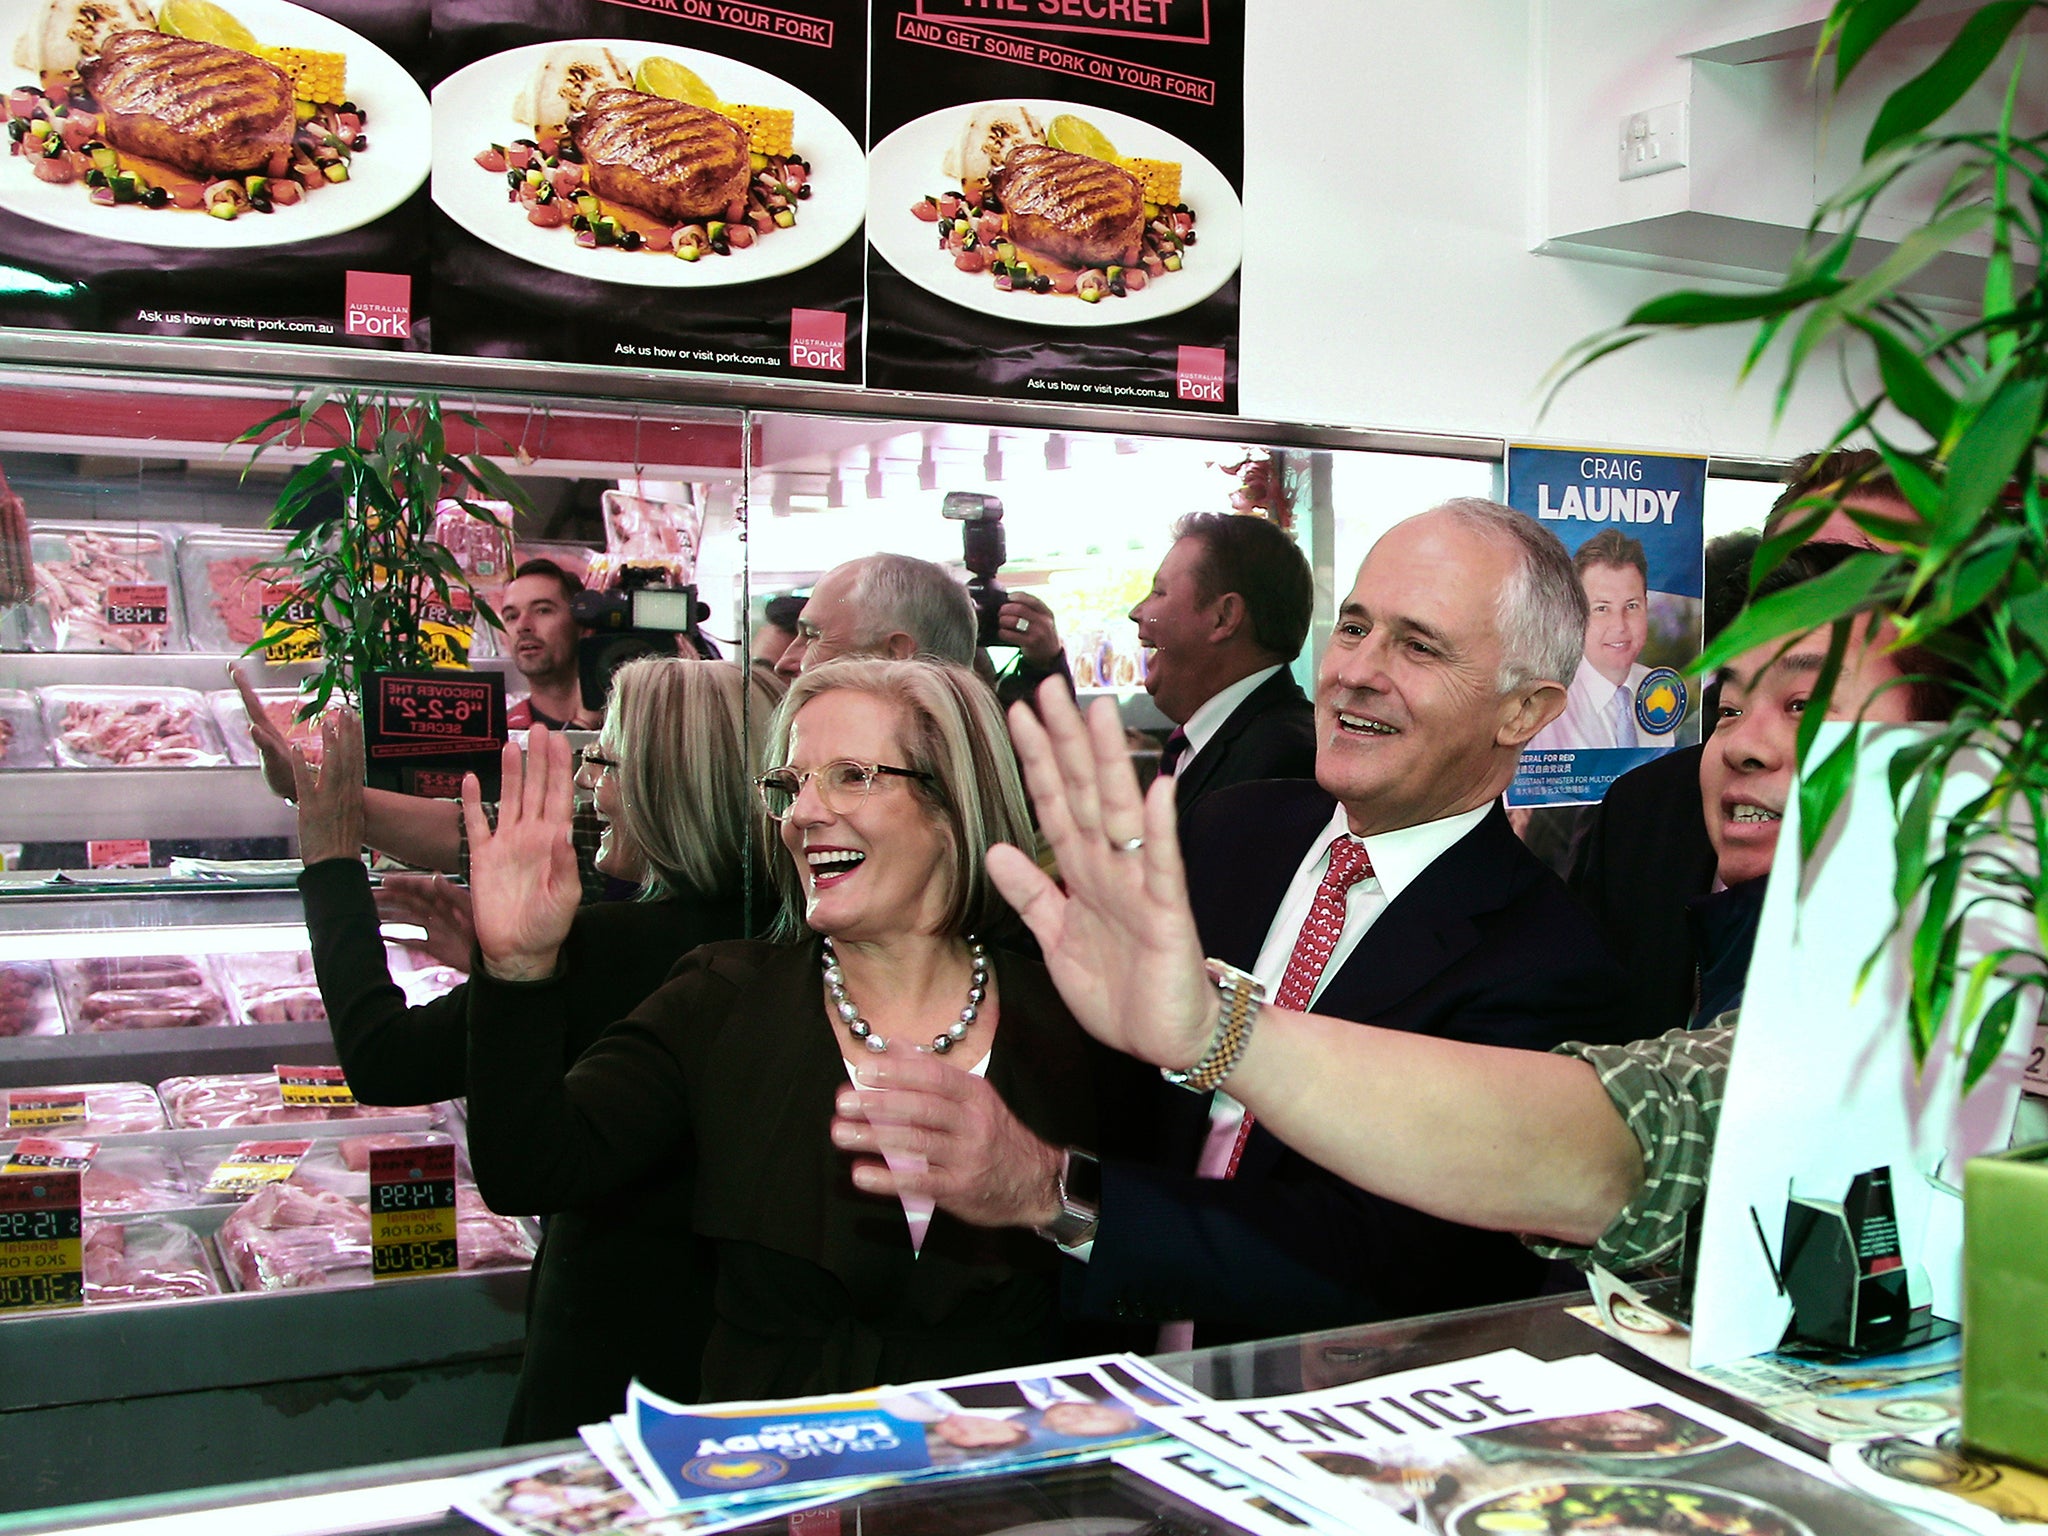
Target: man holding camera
(541,629)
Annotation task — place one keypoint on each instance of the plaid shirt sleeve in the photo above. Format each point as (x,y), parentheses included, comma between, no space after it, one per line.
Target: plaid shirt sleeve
(585,833)
(1669,1090)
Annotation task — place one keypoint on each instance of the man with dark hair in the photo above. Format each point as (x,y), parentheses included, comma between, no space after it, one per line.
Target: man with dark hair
(1600,709)
(541,632)
(1228,611)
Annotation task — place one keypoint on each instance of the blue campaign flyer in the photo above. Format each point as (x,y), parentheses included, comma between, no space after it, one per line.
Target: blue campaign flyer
(705,1456)
(1635,525)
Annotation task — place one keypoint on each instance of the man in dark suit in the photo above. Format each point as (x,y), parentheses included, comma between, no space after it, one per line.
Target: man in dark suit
(1391,889)
(1227,614)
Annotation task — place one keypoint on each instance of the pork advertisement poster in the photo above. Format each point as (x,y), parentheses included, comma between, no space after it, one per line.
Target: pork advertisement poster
(1634,524)
(666,184)
(242,170)
(1055,200)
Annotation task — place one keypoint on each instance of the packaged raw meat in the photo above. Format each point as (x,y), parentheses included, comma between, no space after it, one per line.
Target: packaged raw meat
(281,705)
(288,1236)
(131,728)
(145,1261)
(253,1098)
(483,1238)
(111,1109)
(102,587)
(139,992)
(28,1000)
(17,573)
(23,743)
(273,988)
(122,1180)
(228,579)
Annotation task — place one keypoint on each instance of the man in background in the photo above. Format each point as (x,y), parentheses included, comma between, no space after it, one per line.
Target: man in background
(895,606)
(1600,709)
(541,632)
(1227,614)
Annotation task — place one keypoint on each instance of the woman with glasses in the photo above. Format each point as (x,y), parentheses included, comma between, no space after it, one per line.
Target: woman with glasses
(670,782)
(893,779)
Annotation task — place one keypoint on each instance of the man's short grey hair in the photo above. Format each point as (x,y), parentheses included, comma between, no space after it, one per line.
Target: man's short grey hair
(1542,608)
(925,601)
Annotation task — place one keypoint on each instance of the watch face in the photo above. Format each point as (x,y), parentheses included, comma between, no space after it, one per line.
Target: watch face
(1081,1180)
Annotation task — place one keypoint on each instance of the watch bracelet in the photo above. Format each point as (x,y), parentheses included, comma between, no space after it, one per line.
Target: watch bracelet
(1242,996)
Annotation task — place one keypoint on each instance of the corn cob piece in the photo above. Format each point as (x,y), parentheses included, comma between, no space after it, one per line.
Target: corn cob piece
(1159,178)
(315,76)
(770,130)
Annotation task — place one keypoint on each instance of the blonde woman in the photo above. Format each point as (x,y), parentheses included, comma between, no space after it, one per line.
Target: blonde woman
(611,1295)
(891,780)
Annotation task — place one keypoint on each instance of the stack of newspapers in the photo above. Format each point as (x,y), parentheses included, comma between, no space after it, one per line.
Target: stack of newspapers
(1502,1442)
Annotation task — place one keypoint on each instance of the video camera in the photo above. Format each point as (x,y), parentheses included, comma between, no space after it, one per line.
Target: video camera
(983,552)
(641,616)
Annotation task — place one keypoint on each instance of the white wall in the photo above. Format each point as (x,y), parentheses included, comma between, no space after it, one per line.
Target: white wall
(1393,159)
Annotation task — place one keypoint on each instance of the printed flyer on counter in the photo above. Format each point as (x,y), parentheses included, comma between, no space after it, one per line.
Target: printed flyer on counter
(1055,200)
(282,199)
(666,184)
(1635,526)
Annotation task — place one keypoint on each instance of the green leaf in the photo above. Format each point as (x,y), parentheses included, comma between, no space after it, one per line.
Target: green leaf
(1821,792)
(1862,23)
(1945,82)
(1830,596)
(1908,382)
(1983,462)
(1989,1039)
(1690,307)
(1909,841)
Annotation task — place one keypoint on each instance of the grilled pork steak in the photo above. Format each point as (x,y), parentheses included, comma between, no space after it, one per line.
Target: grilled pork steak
(1087,213)
(667,158)
(206,109)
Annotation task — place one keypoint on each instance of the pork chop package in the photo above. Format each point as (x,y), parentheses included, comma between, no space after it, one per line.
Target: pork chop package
(28,999)
(101,587)
(273,988)
(110,1109)
(122,1180)
(102,994)
(131,728)
(145,1261)
(227,1099)
(23,743)
(226,580)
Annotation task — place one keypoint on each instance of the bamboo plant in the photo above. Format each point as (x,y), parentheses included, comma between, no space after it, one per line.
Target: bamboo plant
(369,575)
(1966,579)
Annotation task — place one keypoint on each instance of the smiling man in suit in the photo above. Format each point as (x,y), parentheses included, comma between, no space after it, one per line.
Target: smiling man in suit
(1389,890)
(1227,614)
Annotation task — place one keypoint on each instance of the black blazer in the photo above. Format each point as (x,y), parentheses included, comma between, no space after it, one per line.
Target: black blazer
(621,1287)
(724,1080)
(1485,946)
(1270,735)
(1644,857)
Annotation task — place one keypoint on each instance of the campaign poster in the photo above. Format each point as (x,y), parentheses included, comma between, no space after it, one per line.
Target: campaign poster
(280,195)
(670,184)
(1635,525)
(1055,195)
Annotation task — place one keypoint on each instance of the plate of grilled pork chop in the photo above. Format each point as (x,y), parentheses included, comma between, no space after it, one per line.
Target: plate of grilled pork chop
(1052,213)
(609,159)
(197,127)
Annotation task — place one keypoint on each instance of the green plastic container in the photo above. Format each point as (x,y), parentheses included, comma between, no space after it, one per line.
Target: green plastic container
(2005,1305)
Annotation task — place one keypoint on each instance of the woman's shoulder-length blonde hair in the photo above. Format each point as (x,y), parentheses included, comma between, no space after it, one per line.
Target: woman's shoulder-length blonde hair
(675,728)
(953,731)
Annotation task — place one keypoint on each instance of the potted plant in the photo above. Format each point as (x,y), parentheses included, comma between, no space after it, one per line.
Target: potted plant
(368,578)
(1964,437)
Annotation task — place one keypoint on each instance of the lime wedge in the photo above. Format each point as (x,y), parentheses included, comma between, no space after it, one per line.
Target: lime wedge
(1077,136)
(658,76)
(204,22)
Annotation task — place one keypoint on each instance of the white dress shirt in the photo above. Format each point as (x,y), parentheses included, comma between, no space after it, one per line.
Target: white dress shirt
(1592,706)
(1201,727)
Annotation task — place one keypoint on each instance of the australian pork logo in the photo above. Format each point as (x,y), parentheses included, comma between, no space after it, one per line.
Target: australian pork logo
(379,304)
(1199,375)
(817,339)
(1175,21)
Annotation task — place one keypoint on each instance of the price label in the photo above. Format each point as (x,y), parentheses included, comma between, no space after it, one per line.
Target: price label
(412,1211)
(314,1087)
(254,1164)
(42,1231)
(37,1153)
(289,624)
(2037,1062)
(35,1108)
(446,630)
(139,606)
(117,853)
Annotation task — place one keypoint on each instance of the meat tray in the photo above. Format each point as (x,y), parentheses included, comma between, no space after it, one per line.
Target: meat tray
(131,728)
(102,995)
(125,1180)
(232,717)
(272,988)
(222,588)
(23,742)
(80,571)
(146,1261)
(28,1000)
(231,1099)
(111,1109)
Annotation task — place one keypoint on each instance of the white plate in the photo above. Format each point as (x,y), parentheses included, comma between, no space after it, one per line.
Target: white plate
(904,168)
(473,110)
(382,177)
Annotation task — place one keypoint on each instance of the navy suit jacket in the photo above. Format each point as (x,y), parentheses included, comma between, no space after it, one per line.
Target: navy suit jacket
(1485,946)
(1270,735)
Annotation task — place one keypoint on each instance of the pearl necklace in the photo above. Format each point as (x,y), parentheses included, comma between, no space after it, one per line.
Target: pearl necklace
(835,984)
